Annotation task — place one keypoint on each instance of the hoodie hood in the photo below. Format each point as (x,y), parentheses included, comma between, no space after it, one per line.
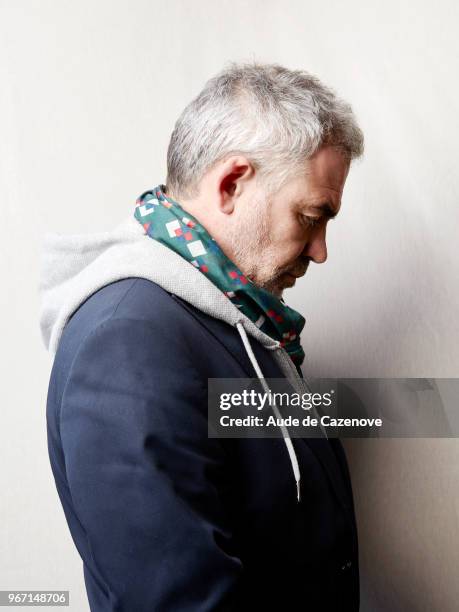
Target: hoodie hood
(75,266)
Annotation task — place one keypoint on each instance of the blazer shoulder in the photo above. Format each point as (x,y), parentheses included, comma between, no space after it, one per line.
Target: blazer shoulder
(133,298)
(130,298)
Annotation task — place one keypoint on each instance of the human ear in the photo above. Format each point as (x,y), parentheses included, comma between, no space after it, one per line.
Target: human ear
(231,178)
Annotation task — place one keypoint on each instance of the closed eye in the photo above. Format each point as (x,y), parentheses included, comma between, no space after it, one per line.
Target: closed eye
(311,221)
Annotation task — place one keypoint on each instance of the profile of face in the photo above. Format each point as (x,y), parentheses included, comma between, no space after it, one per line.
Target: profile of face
(273,237)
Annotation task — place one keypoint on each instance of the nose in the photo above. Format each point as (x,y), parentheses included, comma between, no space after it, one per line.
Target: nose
(316,246)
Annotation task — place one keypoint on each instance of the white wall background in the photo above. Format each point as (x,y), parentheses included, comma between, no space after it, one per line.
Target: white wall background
(89,92)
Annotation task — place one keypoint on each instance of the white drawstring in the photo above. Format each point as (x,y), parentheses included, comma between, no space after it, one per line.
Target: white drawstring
(285,432)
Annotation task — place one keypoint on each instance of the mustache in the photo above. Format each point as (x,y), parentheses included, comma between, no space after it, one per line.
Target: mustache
(298,270)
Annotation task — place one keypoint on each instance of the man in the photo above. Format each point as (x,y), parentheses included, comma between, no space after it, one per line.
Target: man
(189,287)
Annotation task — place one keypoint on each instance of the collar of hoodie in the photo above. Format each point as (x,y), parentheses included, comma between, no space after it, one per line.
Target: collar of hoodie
(74,266)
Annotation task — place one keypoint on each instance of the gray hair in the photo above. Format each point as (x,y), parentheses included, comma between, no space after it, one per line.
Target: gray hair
(276,117)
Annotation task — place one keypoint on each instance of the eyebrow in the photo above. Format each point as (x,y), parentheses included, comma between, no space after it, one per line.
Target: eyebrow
(325,210)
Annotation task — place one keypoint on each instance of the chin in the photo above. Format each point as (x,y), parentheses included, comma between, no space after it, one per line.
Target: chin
(277,288)
(277,291)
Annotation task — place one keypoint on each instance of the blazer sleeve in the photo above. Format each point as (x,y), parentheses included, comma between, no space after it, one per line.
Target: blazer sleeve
(144,477)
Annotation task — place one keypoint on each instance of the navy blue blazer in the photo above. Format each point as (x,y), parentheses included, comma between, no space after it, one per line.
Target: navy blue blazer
(165,518)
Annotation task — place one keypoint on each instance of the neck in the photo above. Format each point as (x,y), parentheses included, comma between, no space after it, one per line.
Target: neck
(206,214)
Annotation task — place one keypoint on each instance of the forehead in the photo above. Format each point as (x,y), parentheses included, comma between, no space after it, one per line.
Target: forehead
(324,176)
(328,165)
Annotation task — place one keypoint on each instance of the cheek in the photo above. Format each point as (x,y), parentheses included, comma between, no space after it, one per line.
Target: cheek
(286,253)
(295,251)
(286,240)
(292,243)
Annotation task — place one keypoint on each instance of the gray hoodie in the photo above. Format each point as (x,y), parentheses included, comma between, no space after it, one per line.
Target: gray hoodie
(75,266)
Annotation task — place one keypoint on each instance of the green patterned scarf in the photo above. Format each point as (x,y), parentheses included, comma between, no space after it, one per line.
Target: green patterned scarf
(166,221)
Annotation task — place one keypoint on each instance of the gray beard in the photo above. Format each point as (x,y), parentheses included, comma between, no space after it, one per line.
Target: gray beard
(247,245)
(244,258)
